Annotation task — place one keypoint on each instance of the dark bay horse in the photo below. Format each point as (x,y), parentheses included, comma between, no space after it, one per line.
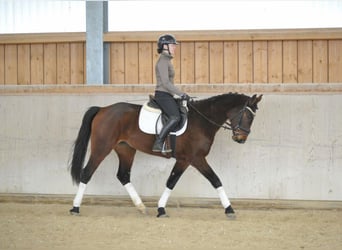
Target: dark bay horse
(115,127)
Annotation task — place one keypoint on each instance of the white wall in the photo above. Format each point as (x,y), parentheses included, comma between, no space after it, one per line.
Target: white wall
(293,152)
(35,16)
(42,16)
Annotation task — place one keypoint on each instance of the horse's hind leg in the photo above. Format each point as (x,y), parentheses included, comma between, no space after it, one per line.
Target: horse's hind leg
(86,174)
(126,156)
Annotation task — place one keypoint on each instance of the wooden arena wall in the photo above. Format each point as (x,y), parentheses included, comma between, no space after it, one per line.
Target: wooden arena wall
(203,57)
(42,59)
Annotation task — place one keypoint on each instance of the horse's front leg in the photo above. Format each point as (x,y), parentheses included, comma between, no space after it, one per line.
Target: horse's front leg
(176,173)
(126,156)
(204,168)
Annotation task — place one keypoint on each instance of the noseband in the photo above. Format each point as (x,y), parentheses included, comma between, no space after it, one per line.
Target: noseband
(228,125)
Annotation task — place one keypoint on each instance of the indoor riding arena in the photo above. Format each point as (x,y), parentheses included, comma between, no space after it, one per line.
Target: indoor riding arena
(284,182)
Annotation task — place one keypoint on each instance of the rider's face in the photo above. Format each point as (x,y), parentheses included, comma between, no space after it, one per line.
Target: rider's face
(172,48)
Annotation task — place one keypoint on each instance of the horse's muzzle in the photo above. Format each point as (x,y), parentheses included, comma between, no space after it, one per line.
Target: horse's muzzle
(239,138)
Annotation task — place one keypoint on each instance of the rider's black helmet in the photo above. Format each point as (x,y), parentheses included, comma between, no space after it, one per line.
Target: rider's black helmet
(165,39)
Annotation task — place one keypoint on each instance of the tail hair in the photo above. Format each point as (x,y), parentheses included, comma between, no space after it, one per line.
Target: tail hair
(81,144)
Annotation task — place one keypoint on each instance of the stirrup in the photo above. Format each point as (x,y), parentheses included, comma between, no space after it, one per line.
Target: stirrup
(165,149)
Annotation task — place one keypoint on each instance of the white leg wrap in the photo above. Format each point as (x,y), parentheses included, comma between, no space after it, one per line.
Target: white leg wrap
(223,197)
(79,195)
(133,194)
(165,196)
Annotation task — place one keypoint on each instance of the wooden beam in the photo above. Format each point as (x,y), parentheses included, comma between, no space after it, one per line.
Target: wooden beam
(305,88)
(42,38)
(201,35)
(228,35)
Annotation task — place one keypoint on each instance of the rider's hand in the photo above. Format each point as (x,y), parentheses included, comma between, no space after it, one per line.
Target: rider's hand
(185,97)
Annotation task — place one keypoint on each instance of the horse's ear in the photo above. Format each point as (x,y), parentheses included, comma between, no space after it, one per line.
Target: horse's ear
(258,99)
(255,99)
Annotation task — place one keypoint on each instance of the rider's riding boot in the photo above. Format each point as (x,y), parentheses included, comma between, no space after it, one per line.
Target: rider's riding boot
(158,144)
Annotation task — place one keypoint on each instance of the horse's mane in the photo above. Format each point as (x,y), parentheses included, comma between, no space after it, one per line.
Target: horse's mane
(215,107)
(227,97)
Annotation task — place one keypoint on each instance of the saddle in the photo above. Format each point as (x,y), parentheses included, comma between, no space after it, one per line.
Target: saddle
(152,119)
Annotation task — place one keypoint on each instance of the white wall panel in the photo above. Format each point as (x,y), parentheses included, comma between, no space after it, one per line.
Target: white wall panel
(293,152)
(35,16)
(41,16)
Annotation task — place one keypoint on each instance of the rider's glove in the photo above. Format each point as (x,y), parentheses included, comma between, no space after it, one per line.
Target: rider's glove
(185,97)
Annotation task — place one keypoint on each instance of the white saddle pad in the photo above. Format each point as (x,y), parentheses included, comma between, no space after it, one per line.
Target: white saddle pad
(150,118)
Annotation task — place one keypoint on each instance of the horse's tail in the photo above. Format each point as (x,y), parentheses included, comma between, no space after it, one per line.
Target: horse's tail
(81,144)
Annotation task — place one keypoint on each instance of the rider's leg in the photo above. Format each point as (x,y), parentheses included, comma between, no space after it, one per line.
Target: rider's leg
(158,144)
(170,107)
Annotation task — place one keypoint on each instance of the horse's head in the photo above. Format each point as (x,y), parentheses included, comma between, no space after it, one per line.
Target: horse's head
(241,119)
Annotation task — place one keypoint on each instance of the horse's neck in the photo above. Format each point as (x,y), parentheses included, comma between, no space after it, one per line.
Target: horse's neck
(217,109)
(213,113)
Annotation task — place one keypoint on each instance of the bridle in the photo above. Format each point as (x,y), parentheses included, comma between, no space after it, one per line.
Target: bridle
(240,113)
(227,125)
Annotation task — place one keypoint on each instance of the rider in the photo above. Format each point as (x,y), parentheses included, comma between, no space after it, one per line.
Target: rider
(165,89)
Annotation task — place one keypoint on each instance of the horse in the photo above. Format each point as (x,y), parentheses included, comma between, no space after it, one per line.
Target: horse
(115,127)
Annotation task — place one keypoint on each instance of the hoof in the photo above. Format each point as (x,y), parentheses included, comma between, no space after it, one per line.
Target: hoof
(75,211)
(142,209)
(231,216)
(162,213)
(230,213)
